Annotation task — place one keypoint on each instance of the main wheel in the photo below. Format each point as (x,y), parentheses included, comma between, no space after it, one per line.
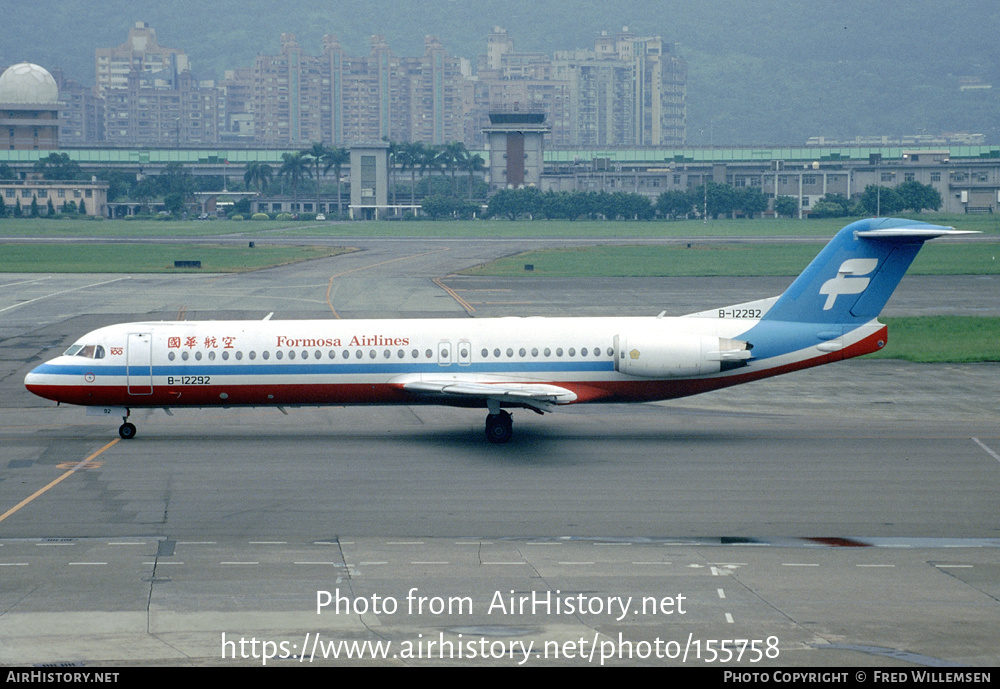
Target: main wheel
(126,431)
(499,428)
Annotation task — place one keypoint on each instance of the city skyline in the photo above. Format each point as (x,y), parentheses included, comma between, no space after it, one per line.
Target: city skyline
(628,89)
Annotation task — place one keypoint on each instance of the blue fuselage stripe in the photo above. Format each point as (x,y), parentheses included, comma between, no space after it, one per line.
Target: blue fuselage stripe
(325,369)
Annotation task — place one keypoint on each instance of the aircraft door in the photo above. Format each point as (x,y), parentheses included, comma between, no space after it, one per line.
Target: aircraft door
(139,364)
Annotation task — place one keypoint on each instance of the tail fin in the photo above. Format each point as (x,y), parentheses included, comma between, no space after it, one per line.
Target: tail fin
(853,277)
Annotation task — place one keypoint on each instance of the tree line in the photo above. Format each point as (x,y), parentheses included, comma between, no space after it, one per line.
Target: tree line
(712,200)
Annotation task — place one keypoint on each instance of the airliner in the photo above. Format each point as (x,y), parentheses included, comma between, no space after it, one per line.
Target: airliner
(829,313)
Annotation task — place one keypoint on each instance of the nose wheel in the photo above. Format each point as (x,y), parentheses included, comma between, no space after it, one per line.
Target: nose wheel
(499,427)
(127,430)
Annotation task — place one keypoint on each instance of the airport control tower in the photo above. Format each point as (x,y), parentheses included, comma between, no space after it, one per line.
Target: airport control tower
(515,146)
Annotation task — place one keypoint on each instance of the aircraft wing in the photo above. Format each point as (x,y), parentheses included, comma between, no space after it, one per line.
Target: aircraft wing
(539,396)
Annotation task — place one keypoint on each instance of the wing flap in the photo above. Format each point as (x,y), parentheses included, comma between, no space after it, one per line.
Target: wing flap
(541,396)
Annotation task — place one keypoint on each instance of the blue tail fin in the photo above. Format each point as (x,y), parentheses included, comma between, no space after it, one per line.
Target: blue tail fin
(854,276)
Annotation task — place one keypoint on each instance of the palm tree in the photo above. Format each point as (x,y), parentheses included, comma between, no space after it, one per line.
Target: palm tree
(453,156)
(473,163)
(430,159)
(410,156)
(316,154)
(336,158)
(259,175)
(295,167)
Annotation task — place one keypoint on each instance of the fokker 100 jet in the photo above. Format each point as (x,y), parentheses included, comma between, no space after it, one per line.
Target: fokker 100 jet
(828,313)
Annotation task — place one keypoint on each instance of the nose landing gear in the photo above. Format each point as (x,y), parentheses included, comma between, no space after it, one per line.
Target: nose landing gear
(127,430)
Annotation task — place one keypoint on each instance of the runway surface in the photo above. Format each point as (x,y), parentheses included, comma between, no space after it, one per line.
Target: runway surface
(846,515)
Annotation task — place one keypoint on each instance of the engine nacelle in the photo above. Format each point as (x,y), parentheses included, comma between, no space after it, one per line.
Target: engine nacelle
(677,355)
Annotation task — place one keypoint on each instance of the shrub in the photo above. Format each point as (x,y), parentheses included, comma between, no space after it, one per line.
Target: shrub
(260,216)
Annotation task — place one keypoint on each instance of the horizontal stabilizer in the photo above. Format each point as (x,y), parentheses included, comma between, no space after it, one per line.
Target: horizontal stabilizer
(922,233)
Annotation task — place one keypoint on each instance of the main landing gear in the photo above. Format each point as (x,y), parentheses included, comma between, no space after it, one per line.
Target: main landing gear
(499,427)
(126,430)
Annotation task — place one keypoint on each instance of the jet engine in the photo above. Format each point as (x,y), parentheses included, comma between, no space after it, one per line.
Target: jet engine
(677,355)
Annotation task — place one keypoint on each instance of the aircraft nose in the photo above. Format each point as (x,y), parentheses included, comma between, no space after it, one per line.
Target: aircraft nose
(32,378)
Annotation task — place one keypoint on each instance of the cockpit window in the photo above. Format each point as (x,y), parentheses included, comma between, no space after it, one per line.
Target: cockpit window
(86,351)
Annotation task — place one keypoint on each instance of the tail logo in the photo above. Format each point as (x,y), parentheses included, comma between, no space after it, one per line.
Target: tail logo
(848,280)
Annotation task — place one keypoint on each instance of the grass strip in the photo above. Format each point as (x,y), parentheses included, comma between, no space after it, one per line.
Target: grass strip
(585,229)
(151,258)
(942,339)
(734,260)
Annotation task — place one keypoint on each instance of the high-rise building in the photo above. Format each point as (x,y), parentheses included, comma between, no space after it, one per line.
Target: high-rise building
(295,98)
(627,91)
(82,118)
(151,97)
(142,53)
(286,96)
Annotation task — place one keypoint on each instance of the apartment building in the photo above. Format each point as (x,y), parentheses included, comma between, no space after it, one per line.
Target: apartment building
(140,52)
(629,90)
